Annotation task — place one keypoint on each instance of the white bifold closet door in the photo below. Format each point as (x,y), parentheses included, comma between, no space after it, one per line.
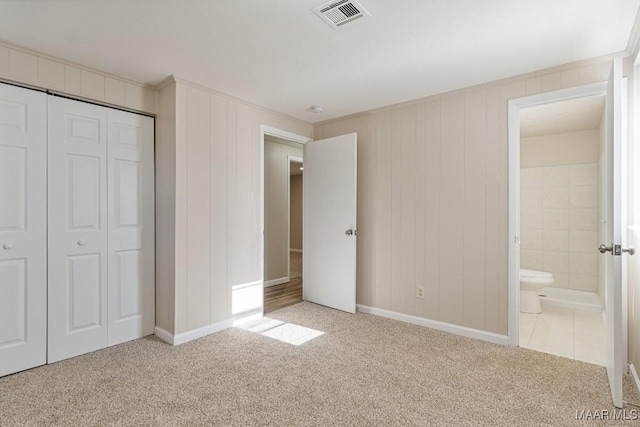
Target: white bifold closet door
(101,227)
(23,228)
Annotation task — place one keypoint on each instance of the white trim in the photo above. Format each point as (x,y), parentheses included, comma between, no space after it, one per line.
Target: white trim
(297,251)
(163,334)
(434,324)
(275,282)
(193,334)
(635,377)
(514,106)
(268,130)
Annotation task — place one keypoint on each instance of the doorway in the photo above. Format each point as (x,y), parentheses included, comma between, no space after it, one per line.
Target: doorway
(283,170)
(610,250)
(561,207)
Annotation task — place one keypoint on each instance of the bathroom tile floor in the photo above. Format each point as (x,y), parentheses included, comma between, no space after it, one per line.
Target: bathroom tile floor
(574,334)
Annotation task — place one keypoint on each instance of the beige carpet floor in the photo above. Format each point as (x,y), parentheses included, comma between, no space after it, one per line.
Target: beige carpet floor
(362,371)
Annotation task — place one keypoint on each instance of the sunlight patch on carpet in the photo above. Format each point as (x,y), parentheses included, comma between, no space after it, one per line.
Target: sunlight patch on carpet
(278,330)
(260,325)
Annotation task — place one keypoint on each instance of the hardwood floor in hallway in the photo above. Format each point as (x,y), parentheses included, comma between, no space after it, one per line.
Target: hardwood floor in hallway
(286,294)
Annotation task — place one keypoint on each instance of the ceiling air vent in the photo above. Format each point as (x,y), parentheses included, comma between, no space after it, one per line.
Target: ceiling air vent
(339,13)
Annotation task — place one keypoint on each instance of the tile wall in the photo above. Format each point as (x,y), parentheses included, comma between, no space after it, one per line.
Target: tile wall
(559,223)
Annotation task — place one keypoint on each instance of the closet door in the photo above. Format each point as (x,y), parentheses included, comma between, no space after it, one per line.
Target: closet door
(77,141)
(131,226)
(23,228)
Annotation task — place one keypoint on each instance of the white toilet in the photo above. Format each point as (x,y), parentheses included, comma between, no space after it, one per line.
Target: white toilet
(531,282)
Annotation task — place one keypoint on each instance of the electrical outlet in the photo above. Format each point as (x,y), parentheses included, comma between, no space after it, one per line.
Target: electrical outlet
(420,292)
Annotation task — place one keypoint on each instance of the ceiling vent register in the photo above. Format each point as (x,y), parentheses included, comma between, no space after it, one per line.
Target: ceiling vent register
(339,13)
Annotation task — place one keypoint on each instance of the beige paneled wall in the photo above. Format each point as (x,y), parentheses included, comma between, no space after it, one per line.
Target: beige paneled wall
(23,66)
(215,150)
(295,212)
(276,209)
(165,162)
(433,198)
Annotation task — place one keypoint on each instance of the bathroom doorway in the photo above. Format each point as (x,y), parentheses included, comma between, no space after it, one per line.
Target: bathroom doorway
(561,208)
(610,260)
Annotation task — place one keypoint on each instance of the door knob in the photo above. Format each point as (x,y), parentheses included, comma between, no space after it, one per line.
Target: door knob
(604,248)
(81,242)
(8,246)
(616,250)
(349,232)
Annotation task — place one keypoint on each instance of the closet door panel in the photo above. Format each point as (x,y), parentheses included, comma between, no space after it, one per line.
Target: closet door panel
(77,189)
(23,263)
(131,226)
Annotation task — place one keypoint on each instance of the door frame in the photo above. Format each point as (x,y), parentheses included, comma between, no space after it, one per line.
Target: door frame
(289,160)
(289,136)
(514,107)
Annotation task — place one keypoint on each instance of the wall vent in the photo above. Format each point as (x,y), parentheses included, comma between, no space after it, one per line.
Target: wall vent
(341,12)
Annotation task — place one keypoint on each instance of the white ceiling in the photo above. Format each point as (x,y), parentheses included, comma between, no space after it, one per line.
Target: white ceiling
(280,55)
(565,116)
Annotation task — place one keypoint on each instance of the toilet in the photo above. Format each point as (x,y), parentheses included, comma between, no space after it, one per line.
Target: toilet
(531,282)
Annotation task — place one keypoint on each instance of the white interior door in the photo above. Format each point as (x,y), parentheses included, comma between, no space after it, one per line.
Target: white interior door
(613,231)
(329,222)
(23,228)
(77,184)
(131,226)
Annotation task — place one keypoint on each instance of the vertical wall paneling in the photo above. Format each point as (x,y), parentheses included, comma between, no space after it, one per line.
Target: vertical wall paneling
(474,208)
(198,207)
(420,211)
(218,198)
(23,66)
(492,209)
(365,128)
(438,183)
(431,237)
(165,162)
(452,196)
(181,203)
(407,213)
(209,151)
(382,272)
(396,209)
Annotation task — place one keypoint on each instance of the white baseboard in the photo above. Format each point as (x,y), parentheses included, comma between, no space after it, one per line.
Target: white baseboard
(184,337)
(434,324)
(163,335)
(298,251)
(276,282)
(634,377)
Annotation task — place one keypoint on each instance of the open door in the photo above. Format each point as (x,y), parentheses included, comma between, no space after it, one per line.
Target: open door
(329,218)
(612,248)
